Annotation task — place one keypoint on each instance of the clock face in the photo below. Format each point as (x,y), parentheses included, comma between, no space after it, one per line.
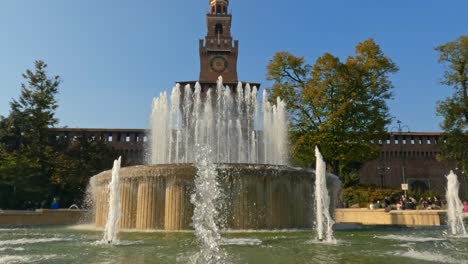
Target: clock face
(218,64)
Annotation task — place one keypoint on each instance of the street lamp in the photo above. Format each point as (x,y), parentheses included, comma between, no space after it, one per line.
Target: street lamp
(399,134)
(382,171)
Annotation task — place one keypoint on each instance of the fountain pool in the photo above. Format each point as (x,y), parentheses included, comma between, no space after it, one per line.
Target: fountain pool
(365,245)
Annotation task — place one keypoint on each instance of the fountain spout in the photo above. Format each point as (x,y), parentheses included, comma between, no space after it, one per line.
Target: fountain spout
(455,206)
(112,226)
(207,192)
(324,221)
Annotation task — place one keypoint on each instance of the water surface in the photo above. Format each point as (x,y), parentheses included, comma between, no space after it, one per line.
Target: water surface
(365,245)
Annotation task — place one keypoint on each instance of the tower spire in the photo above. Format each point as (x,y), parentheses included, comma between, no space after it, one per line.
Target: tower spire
(218,51)
(219,6)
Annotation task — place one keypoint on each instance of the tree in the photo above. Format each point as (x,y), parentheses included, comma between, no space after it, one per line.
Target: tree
(80,158)
(454,109)
(35,165)
(339,106)
(24,132)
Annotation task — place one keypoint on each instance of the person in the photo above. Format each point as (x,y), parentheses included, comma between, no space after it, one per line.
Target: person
(371,206)
(386,202)
(410,205)
(55,204)
(465,207)
(399,205)
(378,205)
(437,203)
(429,202)
(424,204)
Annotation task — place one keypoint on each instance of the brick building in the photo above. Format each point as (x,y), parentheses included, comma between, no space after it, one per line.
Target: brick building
(409,157)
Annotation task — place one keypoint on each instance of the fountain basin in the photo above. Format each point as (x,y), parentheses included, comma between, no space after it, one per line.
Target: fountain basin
(254,197)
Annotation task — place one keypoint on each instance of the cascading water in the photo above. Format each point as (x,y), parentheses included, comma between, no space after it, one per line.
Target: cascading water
(205,213)
(112,226)
(454,206)
(224,118)
(324,221)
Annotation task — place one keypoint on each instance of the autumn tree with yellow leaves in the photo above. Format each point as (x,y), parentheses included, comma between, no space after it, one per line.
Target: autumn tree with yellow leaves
(339,106)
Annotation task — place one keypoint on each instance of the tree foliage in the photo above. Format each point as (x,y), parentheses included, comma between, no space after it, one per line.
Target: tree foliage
(454,109)
(81,158)
(339,106)
(26,131)
(36,166)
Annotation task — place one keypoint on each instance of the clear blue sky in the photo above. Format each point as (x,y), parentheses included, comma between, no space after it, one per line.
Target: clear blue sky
(114,56)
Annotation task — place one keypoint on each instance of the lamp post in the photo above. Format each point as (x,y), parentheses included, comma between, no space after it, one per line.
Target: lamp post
(399,134)
(382,171)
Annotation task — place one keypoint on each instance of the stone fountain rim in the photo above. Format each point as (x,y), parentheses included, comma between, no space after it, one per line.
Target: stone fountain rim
(161,169)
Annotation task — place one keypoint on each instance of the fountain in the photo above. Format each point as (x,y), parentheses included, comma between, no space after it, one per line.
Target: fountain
(222,118)
(260,190)
(454,206)
(324,222)
(111,229)
(243,166)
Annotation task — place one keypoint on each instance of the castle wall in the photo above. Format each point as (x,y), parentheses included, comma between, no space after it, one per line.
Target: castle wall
(414,154)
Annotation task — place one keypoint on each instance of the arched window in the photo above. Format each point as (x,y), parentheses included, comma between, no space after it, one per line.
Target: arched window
(218,9)
(219,29)
(212,9)
(225,10)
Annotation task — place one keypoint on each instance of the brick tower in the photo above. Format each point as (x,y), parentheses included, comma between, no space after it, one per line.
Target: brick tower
(218,51)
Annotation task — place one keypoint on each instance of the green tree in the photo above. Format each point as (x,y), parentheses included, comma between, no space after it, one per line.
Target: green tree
(34,164)
(454,109)
(24,134)
(7,179)
(80,158)
(339,106)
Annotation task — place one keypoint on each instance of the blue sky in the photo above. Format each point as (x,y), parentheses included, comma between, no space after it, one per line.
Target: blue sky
(114,56)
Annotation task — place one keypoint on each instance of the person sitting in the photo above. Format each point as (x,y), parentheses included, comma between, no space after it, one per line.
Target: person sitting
(437,203)
(55,204)
(399,205)
(378,205)
(424,204)
(429,202)
(387,203)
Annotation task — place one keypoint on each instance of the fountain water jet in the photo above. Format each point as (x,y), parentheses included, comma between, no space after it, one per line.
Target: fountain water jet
(222,118)
(324,221)
(205,213)
(455,206)
(112,226)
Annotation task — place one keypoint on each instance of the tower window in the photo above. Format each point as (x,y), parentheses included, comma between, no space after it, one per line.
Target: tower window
(218,9)
(212,9)
(219,29)
(225,10)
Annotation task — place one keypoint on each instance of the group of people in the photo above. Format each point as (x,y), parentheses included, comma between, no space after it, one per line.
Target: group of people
(409,203)
(378,205)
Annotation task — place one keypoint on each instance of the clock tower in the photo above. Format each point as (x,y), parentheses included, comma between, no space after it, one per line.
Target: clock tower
(218,51)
